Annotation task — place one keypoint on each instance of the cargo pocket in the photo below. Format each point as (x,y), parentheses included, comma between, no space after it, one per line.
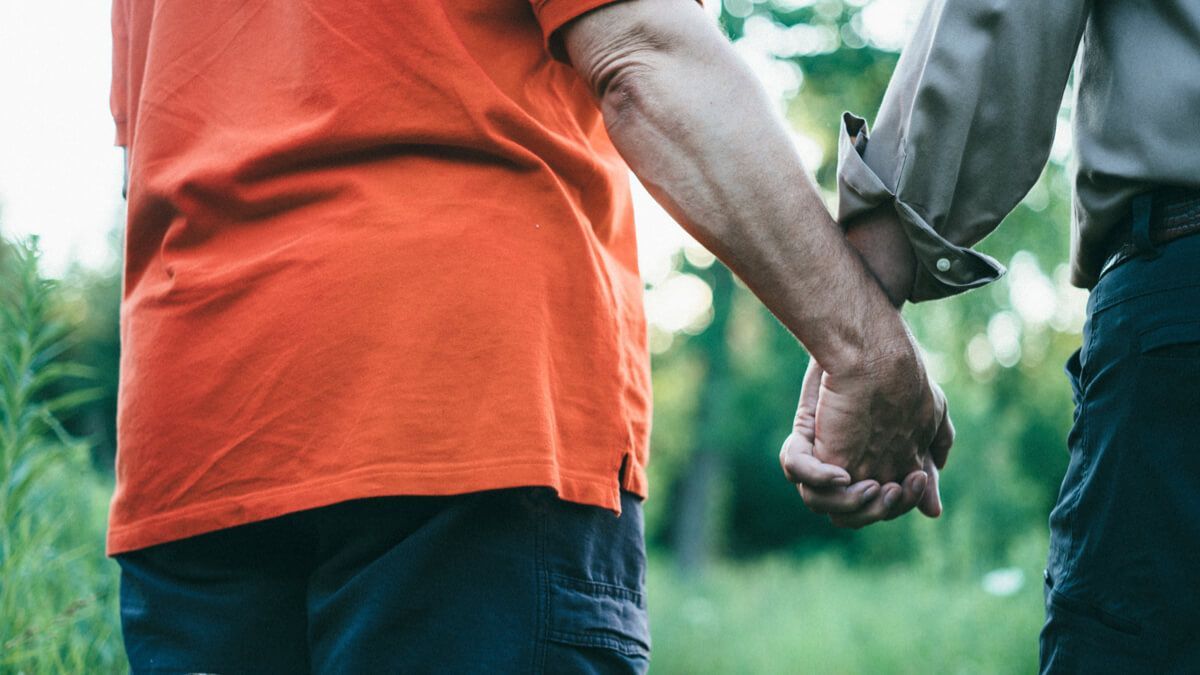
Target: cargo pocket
(1079,637)
(1108,623)
(595,627)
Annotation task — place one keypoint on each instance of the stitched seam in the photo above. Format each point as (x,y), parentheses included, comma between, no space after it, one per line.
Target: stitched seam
(599,587)
(543,586)
(629,647)
(1113,302)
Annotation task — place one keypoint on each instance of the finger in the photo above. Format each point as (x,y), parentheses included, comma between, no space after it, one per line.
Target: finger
(796,457)
(810,391)
(875,511)
(840,500)
(911,492)
(931,503)
(800,466)
(944,438)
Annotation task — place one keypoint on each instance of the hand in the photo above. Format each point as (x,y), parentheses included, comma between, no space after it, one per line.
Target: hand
(879,418)
(879,238)
(826,488)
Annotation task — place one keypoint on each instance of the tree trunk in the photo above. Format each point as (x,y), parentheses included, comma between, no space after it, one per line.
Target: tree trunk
(698,500)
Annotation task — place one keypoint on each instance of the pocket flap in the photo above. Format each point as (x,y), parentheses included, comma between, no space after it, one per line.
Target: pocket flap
(595,614)
(1171,336)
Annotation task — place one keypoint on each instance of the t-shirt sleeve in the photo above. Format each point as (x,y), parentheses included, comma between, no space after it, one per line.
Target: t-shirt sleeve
(119,95)
(554,14)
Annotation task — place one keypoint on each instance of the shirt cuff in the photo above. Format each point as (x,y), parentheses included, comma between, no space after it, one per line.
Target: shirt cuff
(943,268)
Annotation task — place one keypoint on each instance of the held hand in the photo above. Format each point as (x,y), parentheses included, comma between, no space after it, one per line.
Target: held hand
(878,419)
(879,238)
(826,488)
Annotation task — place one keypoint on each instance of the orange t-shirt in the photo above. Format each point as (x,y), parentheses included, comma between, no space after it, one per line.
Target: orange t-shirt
(373,248)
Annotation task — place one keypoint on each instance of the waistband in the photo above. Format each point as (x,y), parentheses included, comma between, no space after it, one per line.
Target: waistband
(1156,217)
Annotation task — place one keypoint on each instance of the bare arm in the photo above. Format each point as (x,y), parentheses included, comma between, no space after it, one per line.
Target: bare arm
(696,127)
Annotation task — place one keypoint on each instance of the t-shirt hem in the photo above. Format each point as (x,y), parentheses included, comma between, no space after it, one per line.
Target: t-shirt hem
(242,509)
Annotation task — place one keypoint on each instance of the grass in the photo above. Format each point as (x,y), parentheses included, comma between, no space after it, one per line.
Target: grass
(58,597)
(819,616)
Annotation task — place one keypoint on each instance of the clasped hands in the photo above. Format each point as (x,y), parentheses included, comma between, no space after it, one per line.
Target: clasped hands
(867,443)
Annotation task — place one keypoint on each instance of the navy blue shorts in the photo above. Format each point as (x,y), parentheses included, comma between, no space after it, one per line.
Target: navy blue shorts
(1122,588)
(506,581)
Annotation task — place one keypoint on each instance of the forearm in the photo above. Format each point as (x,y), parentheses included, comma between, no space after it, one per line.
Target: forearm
(695,126)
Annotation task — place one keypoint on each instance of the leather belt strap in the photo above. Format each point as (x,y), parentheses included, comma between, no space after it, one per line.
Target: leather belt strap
(1158,217)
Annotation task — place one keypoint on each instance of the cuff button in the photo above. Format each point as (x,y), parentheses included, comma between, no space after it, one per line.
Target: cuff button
(943,265)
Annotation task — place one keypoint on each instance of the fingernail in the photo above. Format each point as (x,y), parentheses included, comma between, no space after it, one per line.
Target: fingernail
(890,497)
(919,483)
(870,493)
(841,479)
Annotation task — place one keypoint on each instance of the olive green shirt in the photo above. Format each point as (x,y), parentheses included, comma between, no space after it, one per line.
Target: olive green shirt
(968,120)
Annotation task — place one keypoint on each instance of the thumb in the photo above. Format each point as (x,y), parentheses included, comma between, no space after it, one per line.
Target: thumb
(800,466)
(796,457)
(810,392)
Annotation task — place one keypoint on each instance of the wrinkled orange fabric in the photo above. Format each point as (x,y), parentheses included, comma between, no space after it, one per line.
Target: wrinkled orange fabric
(373,248)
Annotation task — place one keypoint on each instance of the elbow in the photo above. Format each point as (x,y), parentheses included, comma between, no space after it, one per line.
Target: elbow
(625,49)
(624,90)
(622,65)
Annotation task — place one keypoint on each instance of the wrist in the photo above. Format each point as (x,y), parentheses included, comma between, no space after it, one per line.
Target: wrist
(880,340)
(880,240)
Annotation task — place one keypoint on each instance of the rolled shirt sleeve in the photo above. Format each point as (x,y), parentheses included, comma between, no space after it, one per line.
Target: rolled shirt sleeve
(964,130)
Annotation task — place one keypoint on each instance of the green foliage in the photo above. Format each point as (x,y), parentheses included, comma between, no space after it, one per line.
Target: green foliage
(58,594)
(90,300)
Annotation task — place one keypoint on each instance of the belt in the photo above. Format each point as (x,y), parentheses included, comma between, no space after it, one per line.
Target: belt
(1158,217)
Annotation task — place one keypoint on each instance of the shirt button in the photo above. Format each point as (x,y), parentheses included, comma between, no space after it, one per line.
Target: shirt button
(943,265)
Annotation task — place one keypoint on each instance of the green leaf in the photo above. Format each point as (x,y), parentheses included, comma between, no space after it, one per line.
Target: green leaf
(74,399)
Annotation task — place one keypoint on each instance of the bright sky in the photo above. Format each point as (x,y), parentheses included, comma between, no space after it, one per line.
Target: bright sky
(60,176)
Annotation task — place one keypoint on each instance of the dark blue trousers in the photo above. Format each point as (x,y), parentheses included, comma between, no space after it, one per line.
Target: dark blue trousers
(507,581)
(1123,576)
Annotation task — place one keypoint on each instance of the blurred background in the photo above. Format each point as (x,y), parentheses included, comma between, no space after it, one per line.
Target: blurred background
(743,578)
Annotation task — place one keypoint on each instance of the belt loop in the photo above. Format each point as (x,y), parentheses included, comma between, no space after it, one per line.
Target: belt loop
(1143,204)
